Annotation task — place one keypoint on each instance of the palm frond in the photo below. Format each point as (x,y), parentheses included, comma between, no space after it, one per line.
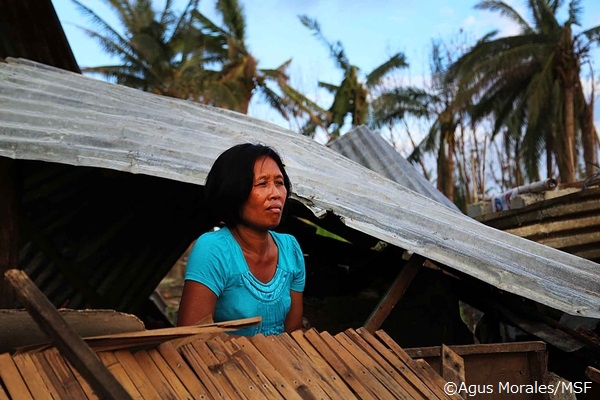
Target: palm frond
(396,61)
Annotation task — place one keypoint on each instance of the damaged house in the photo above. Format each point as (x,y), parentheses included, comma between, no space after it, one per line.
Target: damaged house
(102,193)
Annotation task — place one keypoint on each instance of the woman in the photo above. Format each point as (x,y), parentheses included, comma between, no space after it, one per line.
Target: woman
(245,269)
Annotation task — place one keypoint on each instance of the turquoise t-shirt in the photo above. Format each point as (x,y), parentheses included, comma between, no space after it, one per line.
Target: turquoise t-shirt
(217,261)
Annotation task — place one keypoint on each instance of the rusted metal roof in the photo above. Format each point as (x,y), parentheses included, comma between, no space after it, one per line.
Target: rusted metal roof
(61,117)
(370,149)
(570,222)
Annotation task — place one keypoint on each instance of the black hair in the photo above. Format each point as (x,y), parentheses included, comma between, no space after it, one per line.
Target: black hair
(229,182)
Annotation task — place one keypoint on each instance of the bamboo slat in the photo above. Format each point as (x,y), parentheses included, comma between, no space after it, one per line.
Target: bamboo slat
(12,379)
(353,364)
(32,378)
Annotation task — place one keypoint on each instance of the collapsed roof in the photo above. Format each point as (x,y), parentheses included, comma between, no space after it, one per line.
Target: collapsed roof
(60,117)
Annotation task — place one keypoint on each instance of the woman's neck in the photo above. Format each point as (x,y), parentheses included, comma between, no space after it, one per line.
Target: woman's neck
(250,240)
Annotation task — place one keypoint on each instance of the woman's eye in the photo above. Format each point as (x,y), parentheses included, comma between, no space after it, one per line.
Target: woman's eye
(261,184)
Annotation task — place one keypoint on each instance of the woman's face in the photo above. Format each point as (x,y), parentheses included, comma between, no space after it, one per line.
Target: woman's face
(264,207)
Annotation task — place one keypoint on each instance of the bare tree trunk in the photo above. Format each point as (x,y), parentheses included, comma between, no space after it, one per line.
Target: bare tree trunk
(589,136)
(567,174)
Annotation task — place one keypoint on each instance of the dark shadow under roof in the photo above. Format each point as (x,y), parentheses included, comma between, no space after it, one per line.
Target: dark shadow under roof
(64,118)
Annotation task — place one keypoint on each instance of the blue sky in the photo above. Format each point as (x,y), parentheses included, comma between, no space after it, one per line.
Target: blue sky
(370,32)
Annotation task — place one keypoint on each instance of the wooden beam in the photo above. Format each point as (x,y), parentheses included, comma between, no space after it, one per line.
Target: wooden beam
(394,293)
(593,374)
(453,366)
(67,341)
(9,232)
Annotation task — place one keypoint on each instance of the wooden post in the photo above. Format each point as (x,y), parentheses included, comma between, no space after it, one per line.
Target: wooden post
(453,366)
(9,239)
(394,293)
(66,339)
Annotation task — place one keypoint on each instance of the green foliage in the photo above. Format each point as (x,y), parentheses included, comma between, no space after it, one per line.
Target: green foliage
(530,84)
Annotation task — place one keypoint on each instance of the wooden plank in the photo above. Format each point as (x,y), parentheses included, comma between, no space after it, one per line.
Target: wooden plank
(427,374)
(214,387)
(323,366)
(314,366)
(3,394)
(395,292)
(491,348)
(403,369)
(287,389)
(216,371)
(155,336)
(380,374)
(234,371)
(113,365)
(49,377)
(183,371)
(304,370)
(87,389)
(64,374)
(252,370)
(31,376)
(170,375)
(312,374)
(13,381)
(69,343)
(136,374)
(347,374)
(19,329)
(556,227)
(593,373)
(411,388)
(453,366)
(280,360)
(156,378)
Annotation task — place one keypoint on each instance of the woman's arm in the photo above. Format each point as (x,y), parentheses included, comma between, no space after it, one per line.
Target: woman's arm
(197,302)
(293,320)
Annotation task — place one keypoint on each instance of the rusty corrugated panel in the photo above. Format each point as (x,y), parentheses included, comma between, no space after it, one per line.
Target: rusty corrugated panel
(370,150)
(570,223)
(65,118)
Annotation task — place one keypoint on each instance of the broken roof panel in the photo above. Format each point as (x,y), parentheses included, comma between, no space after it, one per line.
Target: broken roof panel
(370,149)
(61,117)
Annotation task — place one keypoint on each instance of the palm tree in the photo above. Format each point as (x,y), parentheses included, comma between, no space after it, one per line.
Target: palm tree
(162,54)
(351,96)
(532,80)
(189,56)
(235,78)
(438,102)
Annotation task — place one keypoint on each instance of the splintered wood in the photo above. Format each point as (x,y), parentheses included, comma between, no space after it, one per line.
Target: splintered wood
(354,364)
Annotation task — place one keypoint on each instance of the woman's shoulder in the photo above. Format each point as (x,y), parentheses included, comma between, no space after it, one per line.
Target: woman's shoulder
(215,249)
(217,239)
(285,239)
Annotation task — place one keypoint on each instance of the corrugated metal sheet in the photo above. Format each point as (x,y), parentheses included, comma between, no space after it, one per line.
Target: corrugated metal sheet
(569,222)
(371,150)
(61,117)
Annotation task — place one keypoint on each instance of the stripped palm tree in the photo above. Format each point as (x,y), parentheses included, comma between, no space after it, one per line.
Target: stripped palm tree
(533,80)
(351,98)
(188,56)
(159,53)
(235,77)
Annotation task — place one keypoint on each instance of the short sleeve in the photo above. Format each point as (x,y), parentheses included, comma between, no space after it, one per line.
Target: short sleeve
(299,270)
(206,265)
